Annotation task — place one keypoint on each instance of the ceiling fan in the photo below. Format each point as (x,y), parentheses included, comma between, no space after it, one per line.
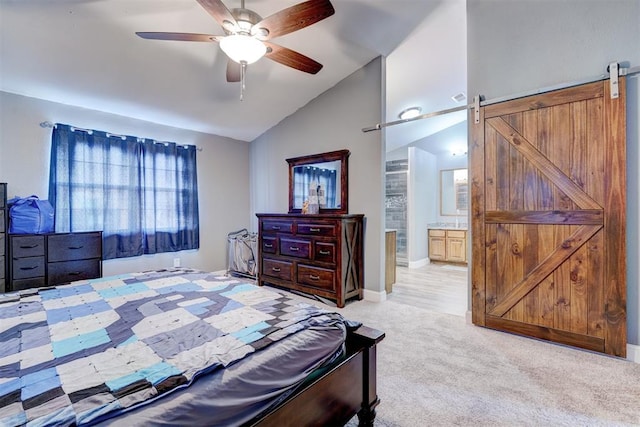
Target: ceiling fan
(248,36)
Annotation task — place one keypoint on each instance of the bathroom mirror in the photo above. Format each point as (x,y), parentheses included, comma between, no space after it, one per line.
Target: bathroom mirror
(454,192)
(325,171)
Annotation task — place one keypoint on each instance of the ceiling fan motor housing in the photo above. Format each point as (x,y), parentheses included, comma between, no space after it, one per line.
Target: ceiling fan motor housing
(246,19)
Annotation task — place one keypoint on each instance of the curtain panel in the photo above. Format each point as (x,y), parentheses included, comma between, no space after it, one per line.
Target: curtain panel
(142,194)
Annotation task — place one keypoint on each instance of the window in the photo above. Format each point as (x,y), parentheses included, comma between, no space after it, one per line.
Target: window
(141,194)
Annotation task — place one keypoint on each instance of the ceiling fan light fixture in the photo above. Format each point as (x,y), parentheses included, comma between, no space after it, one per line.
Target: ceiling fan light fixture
(410,113)
(243,48)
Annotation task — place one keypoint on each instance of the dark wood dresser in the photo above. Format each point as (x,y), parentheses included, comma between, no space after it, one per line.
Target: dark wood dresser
(4,222)
(53,259)
(317,254)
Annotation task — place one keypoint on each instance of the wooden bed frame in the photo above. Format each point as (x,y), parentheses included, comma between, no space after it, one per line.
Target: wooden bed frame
(332,399)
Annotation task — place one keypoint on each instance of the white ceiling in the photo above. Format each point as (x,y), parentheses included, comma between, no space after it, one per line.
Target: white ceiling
(86,53)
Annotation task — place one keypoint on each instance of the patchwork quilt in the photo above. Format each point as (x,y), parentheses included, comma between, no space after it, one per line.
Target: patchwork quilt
(79,353)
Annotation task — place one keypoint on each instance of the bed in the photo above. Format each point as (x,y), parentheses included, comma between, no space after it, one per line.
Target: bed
(180,347)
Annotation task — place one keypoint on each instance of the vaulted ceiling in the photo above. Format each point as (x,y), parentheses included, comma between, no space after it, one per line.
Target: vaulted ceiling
(86,53)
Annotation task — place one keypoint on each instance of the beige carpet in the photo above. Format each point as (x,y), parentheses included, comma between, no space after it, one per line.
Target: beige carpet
(436,370)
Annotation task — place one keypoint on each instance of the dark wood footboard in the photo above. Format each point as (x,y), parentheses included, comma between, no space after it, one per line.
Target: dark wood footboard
(347,389)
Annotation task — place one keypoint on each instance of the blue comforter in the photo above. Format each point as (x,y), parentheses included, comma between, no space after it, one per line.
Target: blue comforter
(80,353)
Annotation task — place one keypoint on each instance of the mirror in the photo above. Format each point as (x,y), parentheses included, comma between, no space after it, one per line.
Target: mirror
(454,192)
(327,173)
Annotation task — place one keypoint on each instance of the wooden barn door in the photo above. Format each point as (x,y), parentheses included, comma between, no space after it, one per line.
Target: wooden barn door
(548,217)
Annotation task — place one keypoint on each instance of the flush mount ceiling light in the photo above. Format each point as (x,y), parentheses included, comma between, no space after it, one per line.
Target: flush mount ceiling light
(410,113)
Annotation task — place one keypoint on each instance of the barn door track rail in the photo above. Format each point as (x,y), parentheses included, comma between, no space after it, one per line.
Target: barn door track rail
(614,70)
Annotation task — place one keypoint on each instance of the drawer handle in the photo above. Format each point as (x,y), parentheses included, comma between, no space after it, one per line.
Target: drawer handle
(314,277)
(275,227)
(294,248)
(74,273)
(29,268)
(268,245)
(275,269)
(314,230)
(29,246)
(325,252)
(76,247)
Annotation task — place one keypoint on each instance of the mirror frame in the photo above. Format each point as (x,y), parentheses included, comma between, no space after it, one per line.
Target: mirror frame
(340,155)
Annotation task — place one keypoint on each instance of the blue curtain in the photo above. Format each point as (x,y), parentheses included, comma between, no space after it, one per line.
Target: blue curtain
(141,194)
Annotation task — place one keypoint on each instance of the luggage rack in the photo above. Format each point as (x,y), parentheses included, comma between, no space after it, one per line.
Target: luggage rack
(242,254)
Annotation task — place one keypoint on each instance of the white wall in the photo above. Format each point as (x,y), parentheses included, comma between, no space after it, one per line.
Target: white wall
(223,172)
(518,46)
(421,209)
(332,121)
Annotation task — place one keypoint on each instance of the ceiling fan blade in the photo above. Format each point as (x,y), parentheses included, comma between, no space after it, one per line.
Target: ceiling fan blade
(291,58)
(220,13)
(233,71)
(292,19)
(184,37)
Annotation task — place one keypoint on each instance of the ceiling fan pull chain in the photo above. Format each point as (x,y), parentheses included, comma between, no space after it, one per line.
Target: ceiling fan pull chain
(243,72)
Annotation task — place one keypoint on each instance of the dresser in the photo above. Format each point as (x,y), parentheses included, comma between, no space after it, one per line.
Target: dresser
(4,222)
(53,259)
(316,254)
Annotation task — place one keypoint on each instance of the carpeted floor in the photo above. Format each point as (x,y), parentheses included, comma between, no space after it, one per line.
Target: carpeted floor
(436,370)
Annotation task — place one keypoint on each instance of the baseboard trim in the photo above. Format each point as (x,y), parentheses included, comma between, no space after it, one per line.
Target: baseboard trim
(374,296)
(633,353)
(419,263)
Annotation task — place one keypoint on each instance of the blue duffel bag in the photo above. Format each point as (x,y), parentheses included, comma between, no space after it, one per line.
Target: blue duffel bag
(30,215)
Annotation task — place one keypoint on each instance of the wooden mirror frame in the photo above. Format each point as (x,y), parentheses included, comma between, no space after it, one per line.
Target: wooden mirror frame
(342,156)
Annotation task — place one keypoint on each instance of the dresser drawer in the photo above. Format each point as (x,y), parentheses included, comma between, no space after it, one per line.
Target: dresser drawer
(278,226)
(34,282)
(317,229)
(69,271)
(325,252)
(270,245)
(276,268)
(27,246)
(295,248)
(316,277)
(25,268)
(68,247)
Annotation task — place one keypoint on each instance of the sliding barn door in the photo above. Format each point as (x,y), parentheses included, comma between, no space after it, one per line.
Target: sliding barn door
(548,217)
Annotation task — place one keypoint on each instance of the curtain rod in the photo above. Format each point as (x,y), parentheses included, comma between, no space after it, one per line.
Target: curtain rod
(48,124)
(622,72)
